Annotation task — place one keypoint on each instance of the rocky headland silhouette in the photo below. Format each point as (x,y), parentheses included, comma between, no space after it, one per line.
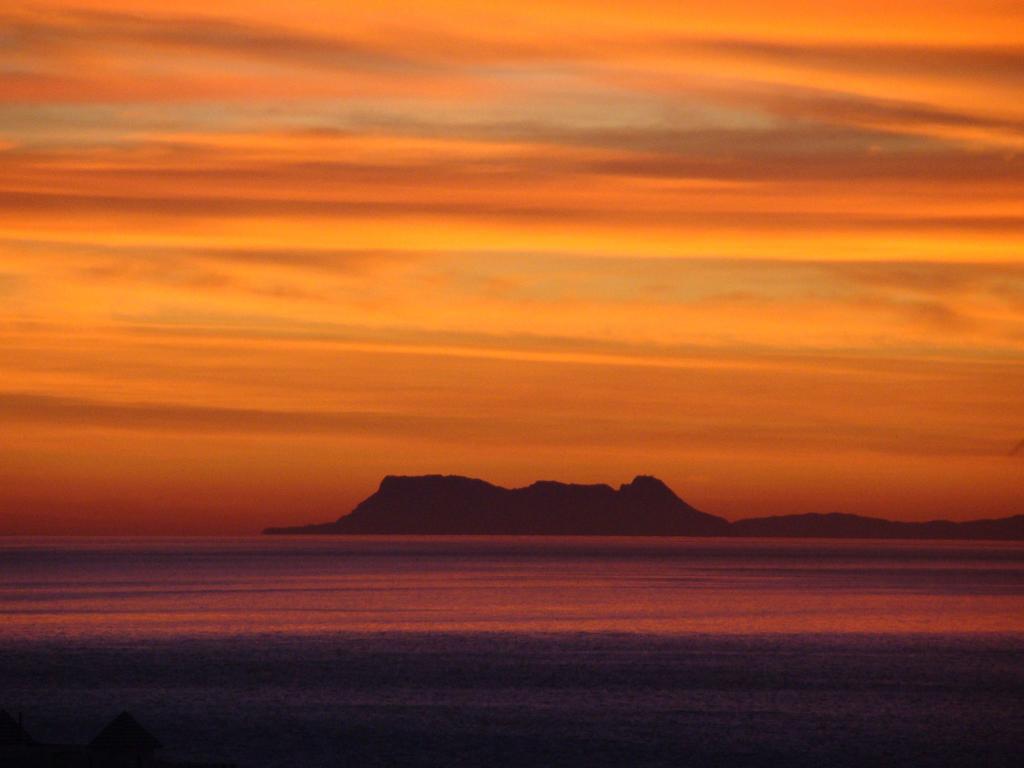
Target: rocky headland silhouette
(447,504)
(454,505)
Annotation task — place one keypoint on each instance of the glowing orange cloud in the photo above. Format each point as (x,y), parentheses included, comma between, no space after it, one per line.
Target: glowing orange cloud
(256,255)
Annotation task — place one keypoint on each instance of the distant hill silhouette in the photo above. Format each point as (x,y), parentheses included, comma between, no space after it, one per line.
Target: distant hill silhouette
(838,526)
(448,504)
(453,505)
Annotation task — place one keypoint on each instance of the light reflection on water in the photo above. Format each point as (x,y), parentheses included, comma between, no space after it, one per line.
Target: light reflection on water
(512,653)
(217,587)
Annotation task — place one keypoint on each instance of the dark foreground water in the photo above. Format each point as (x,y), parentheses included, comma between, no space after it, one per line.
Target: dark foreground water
(523,652)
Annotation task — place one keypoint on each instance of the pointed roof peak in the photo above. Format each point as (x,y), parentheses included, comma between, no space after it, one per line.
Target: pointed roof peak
(125,734)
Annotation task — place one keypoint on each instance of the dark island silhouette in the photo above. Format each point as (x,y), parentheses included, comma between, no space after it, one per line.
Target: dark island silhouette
(454,505)
(448,504)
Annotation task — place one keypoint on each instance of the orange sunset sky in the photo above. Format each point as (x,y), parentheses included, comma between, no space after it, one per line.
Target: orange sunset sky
(255,255)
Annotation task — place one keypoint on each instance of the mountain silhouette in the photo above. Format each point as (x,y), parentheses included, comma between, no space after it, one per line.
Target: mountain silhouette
(454,505)
(449,504)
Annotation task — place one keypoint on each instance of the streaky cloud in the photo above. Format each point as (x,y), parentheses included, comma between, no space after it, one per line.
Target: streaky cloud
(232,206)
(90,28)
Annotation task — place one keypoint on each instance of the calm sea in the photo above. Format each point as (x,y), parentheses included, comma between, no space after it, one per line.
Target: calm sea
(309,652)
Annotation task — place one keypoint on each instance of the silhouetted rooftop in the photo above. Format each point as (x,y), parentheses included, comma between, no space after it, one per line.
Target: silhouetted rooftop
(11,732)
(124,734)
